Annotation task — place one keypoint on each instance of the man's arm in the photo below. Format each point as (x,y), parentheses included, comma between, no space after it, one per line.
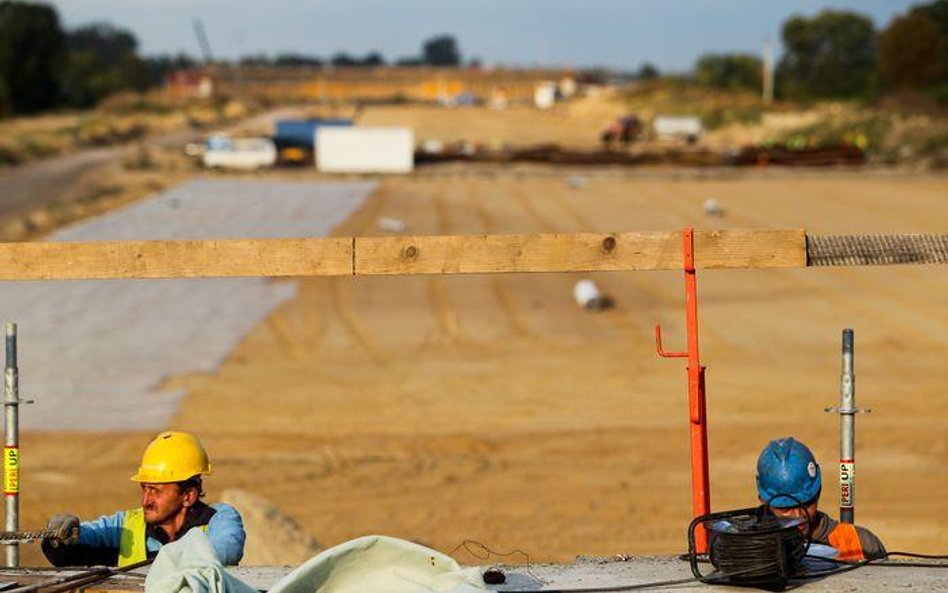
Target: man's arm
(872,548)
(104,532)
(79,555)
(96,543)
(226,534)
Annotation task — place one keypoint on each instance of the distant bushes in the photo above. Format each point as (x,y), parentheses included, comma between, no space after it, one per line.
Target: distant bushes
(43,66)
(729,71)
(840,55)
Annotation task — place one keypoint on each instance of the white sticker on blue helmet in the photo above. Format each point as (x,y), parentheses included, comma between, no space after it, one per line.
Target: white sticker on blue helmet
(811,469)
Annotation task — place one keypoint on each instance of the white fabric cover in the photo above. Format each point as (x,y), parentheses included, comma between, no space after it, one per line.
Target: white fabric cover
(380,564)
(190,565)
(371,564)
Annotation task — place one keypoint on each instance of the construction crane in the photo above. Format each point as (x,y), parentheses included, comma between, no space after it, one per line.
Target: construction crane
(203,42)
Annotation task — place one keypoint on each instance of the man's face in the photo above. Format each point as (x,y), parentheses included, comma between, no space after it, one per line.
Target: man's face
(163,502)
(807,511)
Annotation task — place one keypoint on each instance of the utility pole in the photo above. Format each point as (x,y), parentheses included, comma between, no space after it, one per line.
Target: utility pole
(768,73)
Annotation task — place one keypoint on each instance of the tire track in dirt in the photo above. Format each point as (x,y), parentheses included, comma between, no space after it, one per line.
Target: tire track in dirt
(312,300)
(884,314)
(340,288)
(301,328)
(839,199)
(684,214)
(307,315)
(585,224)
(619,316)
(445,314)
(545,224)
(548,224)
(376,462)
(279,326)
(512,312)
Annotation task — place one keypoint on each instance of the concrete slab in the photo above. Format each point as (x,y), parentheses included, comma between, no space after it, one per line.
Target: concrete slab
(94,353)
(593,575)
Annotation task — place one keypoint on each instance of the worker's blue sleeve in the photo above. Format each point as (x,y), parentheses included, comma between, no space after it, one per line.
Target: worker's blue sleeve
(104,532)
(226,533)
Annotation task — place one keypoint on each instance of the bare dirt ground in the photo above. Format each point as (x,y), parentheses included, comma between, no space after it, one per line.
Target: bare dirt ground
(575,124)
(490,408)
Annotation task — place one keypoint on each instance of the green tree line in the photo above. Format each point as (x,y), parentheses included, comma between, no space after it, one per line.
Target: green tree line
(43,66)
(840,55)
(835,54)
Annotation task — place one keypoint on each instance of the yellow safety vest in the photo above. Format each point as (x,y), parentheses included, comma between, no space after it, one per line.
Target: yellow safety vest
(132,547)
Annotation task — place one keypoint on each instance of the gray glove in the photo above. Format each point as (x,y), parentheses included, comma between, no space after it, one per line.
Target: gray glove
(67,530)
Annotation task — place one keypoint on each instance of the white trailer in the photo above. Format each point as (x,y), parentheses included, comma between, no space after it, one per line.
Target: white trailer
(678,128)
(365,150)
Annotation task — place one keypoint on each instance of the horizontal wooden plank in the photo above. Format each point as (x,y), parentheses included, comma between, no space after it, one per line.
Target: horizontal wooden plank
(342,256)
(176,259)
(750,249)
(580,252)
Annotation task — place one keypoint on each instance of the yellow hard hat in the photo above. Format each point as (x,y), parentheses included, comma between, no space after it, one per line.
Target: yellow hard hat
(172,457)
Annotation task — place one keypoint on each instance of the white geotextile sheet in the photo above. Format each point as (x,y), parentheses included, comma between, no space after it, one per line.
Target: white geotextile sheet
(94,354)
(190,565)
(370,564)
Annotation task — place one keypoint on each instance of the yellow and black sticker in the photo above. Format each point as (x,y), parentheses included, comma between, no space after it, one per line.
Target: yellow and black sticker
(847,482)
(11,470)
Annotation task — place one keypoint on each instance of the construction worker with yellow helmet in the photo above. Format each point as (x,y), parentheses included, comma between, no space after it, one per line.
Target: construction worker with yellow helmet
(170,476)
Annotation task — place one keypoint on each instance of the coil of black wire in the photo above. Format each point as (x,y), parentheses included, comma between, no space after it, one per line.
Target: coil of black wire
(747,548)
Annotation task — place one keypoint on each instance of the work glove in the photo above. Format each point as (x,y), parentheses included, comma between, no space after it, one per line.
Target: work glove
(66,528)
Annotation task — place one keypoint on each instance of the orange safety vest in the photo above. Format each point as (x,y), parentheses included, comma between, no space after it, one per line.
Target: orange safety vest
(845,539)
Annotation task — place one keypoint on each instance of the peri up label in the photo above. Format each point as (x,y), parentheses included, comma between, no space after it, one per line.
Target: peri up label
(847,482)
(11,470)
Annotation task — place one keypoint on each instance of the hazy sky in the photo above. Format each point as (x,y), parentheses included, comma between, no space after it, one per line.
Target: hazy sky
(617,33)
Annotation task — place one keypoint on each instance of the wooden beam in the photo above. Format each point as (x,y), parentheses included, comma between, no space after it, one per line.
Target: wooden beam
(580,252)
(750,249)
(175,259)
(343,256)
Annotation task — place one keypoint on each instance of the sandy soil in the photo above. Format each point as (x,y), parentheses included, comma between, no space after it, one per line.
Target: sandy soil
(489,408)
(577,124)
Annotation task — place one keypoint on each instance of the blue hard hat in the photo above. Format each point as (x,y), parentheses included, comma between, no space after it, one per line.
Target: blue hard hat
(787,474)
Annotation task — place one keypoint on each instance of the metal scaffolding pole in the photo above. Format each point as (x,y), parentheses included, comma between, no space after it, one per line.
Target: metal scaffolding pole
(847,411)
(11,449)
(847,432)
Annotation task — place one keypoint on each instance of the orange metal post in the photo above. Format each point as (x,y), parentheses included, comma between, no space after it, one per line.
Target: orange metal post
(700,489)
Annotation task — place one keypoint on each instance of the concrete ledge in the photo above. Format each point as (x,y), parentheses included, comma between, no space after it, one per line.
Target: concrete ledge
(585,573)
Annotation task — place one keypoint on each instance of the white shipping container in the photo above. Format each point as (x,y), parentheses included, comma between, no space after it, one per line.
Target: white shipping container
(365,150)
(678,127)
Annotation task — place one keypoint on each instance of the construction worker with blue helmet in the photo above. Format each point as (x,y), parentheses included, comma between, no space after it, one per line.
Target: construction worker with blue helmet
(789,483)
(170,476)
